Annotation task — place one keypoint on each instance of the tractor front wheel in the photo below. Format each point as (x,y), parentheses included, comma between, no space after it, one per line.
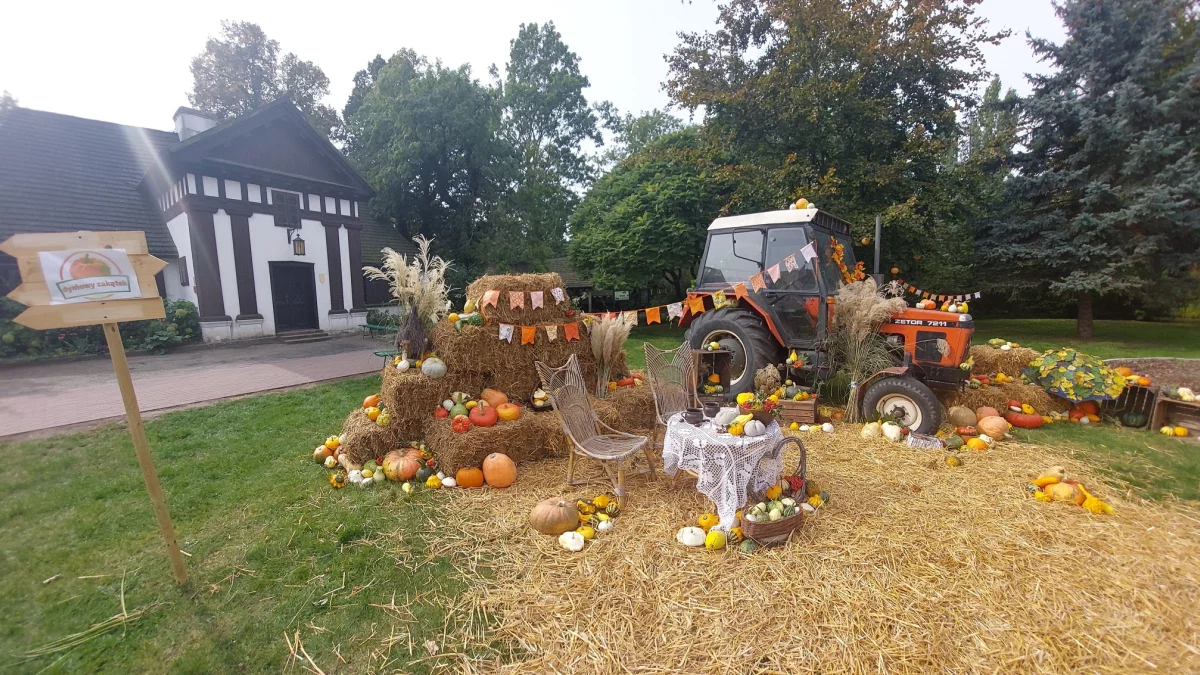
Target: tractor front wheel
(742,332)
(906,399)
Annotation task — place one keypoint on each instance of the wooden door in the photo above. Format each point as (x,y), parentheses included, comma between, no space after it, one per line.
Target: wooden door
(294,296)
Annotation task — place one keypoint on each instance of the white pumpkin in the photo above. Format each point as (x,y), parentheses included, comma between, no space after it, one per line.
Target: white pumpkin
(403,365)
(365,483)
(447,404)
(986,439)
(754,428)
(892,431)
(441,476)
(725,417)
(449,482)
(870,430)
(604,526)
(827,427)
(1005,348)
(572,541)
(379,477)
(804,427)
(690,536)
(953,309)
(355,476)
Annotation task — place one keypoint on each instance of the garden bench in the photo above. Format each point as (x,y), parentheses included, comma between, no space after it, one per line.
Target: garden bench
(372,328)
(387,355)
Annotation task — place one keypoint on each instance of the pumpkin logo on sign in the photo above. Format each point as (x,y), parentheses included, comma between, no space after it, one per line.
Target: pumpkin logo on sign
(89,275)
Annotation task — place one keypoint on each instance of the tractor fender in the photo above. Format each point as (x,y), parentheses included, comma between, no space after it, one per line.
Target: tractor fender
(746,301)
(894,371)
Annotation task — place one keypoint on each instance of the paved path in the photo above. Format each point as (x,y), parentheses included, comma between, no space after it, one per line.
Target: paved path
(37,398)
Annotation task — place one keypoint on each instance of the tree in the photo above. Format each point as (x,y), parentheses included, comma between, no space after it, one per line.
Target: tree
(241,71)
(645,222)
(363,81)
(546,121)
(1106,199)
(852,105)
(632,133)
(992,127)
(7,103)
(426,137)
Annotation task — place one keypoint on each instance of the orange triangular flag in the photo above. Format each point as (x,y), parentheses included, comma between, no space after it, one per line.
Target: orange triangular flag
(527,334)
(571,331)
(739,290)
(652,315)
(516,299)
(696,304)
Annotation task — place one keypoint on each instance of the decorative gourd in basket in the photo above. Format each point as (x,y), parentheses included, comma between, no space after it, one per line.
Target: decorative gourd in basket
(771,521)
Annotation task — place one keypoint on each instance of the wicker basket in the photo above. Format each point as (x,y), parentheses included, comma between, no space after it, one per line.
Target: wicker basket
(761,415)
(777,533)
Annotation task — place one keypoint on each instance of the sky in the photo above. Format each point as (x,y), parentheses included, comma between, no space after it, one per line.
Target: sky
(128,62)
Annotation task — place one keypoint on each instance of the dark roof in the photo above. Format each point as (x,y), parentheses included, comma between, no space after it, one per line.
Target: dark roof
(62,173)
(376,235)
(569,276)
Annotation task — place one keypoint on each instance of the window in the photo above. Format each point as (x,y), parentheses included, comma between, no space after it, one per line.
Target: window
(832,276)
(287,209)
(183,272)
(785,241)
(733,257)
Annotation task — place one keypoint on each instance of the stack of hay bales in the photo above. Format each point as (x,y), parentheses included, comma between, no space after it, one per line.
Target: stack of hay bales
(476,358)
(990,361)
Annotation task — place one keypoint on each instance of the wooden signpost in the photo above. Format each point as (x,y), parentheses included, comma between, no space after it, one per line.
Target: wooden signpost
(84,278)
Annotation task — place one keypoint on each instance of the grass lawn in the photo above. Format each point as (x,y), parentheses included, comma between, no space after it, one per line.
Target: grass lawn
(1113,339)
(274,550)
(1155,466)
(659,335)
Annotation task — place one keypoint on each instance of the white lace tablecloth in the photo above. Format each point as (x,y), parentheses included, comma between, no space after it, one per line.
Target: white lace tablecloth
(727,466)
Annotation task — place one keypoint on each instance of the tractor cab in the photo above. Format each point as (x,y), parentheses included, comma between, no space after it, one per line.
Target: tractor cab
(804,256)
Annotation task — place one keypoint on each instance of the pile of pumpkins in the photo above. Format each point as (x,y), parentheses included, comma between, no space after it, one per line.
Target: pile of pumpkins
(975,429)
(1052,486)
(429,365)
(375,410)
(465,412)
(707,533)
(952,307)
(1132,378)
(575,522)
(1002,344)
(412,466)
(633,381)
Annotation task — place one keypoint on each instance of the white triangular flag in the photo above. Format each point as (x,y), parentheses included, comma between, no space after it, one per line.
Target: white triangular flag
(558,294)
(674,310)
(551,332)
(506,332)
(809,252)
(535,299)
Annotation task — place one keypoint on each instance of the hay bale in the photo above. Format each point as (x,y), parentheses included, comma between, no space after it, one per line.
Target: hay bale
(363,439)
(629,409)
(507,366)
(998,395)
(411,398)
(531,436)
(989,360)
(525,316)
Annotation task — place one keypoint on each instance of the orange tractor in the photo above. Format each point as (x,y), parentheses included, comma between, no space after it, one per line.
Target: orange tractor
(796,311)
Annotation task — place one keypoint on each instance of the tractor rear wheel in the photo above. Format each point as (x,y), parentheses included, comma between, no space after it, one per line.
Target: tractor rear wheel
(742,332)
(908,400)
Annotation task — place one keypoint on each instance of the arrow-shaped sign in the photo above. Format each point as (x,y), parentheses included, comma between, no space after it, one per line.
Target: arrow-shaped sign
(33,290)
(43,317)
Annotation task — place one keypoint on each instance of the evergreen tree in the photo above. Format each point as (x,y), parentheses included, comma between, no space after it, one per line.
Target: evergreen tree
(1106,199)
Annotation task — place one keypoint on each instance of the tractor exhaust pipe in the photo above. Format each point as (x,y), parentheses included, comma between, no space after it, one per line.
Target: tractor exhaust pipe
(878,235)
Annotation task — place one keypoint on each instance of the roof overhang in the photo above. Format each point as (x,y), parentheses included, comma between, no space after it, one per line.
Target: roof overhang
(817,217)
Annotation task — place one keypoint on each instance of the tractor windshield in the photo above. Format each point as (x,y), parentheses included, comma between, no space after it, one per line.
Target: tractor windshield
(732,257)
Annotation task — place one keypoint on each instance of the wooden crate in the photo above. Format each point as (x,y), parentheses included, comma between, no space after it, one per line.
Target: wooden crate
(801,412)
(1133,399)
(1177,414)
(720,363)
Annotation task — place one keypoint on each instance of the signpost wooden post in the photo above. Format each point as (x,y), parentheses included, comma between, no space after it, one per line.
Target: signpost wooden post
(84,278)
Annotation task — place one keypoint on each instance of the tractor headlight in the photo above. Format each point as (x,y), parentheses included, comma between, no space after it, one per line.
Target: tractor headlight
(964,317)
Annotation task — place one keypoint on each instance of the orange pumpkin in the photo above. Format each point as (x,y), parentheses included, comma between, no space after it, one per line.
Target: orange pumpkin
(1125,372)
(986,411)
(400,468)
(499,470)
(371,401)
(469,477)
(1022,420)
(494,397)
(415,453)
(508,411)
(483,416)
(1088,407)
(1143,381)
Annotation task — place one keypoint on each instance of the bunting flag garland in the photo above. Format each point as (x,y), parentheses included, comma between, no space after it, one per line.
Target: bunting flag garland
(551,333)
(490,298)
(535,299)
(674,310)
(506,332)
(789,264)
(939,297)
(631,317)
(558,294)
(773,272)
(527,334)
(739,290)
(571,331)
(696,304)
(719,300)
(653,316)
(516,300)
(757,282)
(809,252)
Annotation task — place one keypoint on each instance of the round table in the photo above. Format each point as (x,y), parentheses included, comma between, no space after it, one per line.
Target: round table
(727,467)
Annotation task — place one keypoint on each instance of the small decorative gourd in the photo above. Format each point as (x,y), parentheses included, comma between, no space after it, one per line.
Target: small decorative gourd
(725,417)
(572,541)
(433,368)
(754,428)
(690,536)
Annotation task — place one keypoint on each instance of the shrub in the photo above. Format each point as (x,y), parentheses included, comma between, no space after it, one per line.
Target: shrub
(181,325)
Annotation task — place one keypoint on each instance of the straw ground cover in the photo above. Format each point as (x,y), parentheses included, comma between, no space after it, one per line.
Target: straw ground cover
(913,566)
(274,550)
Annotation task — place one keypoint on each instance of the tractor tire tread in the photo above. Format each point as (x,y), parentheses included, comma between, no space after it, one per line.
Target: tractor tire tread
(757,337)
(921,394)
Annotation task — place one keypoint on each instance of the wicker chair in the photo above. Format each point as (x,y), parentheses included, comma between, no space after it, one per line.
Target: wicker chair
(587,434)
(672,374)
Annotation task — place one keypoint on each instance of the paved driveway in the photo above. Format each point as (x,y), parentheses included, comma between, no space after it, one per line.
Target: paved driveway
(47,396)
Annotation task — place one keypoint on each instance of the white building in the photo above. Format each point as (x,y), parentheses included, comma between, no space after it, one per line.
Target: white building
(260,218)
